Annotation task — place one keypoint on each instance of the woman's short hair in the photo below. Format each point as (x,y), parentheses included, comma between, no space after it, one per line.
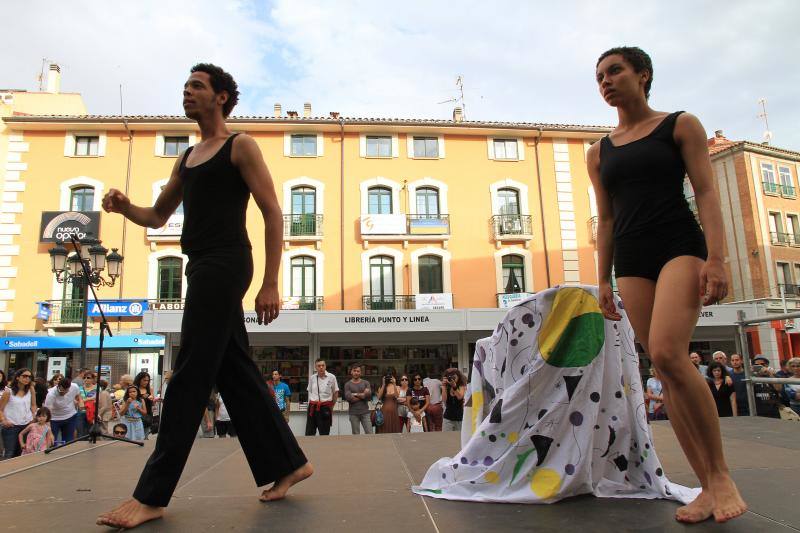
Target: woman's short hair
(716,364)
(637,58)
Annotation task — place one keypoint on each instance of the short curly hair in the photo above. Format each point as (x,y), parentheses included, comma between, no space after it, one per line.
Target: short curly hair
(638,59)
(221,81)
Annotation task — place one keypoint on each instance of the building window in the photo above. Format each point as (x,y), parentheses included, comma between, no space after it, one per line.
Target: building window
(427,201)
(426,147)
(787,183)
(380,201)
(430,274)
(793,229)
(381,279)
(72,304)
(174,146)
(304,276)
(379,146)
(513,274)
(508,200)
(505,149)
(179,209)
(170,278)
(304,145)
(87,145)
(304,204)
(81,199)
(777,235)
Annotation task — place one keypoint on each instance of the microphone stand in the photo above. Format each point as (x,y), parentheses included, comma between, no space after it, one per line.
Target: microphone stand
(94,432)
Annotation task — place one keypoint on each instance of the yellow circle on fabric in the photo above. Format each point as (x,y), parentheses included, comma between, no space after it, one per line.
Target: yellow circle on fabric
(513,437)
(492,477)
(477,409)
(574,331)
(545,483)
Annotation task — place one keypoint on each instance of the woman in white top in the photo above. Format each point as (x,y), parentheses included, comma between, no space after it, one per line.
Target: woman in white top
(64,400)
(17,408)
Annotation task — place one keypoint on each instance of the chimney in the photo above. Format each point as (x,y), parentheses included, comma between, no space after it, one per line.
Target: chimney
(458,115)
(277,111)
(291,114)
(718,134)
(307,110)
(334,114)
(54,79)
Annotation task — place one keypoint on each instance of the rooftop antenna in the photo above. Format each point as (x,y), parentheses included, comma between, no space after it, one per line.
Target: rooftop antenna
(767,133)
(45,61)
(459,99)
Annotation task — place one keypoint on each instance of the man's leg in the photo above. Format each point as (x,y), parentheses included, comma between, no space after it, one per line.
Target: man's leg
(366,423)
(355,424)
(68,429)
(324,420)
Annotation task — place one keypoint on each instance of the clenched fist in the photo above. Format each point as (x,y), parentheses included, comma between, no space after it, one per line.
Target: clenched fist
(116,202)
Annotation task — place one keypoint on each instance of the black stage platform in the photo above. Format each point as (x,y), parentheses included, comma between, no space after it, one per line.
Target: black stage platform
(362,485)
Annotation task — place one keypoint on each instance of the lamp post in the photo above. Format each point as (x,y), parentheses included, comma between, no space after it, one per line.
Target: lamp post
(70,269)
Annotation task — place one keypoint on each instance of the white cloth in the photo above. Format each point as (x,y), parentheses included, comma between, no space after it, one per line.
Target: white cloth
(223,411)
(62,407)
(416,427)
(434,387)
(18,409)
(327,386)
(555,408)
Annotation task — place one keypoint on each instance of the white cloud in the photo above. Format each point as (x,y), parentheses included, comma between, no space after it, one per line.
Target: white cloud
(526,61)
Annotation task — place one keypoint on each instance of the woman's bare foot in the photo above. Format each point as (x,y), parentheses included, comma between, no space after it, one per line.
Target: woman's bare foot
(699,510)
(279,489)
(728,503)
(130,514)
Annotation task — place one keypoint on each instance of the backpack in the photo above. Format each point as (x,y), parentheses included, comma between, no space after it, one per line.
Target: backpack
(377,415)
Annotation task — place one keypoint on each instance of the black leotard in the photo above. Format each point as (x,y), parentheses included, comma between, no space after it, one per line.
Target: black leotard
(652,220)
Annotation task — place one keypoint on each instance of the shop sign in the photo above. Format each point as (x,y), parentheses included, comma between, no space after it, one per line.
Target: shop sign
(434,301)
(166,306)
(383,224)
(724,315)
(59,225)
(43,313)
(118,308)
(73,342)
(365,321)
(504,301)
(173,228)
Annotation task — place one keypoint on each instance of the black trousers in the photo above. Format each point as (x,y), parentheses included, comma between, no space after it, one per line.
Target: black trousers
(321,420)
(215,351)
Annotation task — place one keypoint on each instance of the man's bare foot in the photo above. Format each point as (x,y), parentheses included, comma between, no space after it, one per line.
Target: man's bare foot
(699,510)
(279,489)
(728,503)
(130,514)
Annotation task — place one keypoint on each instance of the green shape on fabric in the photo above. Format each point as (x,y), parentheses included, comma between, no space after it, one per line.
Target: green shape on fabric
(434,491)
(580,342)
(520,461)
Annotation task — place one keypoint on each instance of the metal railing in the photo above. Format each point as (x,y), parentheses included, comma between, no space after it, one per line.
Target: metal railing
(65,312)
(771,188)
(428,224)
(781,239)
(389,301)
(306,225)
(304,303)
(592,223)
(789,289)
(788,191)
(512,225)
(749,379)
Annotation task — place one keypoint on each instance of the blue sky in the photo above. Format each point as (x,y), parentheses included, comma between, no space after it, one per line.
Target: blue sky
(526,61)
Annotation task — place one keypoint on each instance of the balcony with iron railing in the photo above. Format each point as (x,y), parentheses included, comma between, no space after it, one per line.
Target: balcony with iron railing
(789,290)
(771,188)
(788,191)
(512,227)
(779,238)
(405,227)
(65,313)
(388,302)
(302,227)
(303,303)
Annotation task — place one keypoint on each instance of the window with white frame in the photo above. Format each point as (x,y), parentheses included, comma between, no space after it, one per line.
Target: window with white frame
(428,201)
(88,145)
(81,198)
(379,201)
(505,149)
(303,281)
(508,201)
(785,174)
(303,145)
(381,276)
(175,145)
(430,274)
(170,279)
(513,273)
(767,173)
(379,146)
(426,147)
(793,229)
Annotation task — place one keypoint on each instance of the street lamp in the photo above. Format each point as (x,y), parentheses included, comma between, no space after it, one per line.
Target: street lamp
(92,256)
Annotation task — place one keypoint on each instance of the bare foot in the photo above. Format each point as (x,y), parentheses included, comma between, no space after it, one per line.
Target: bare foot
(728,503)
(699,510)
(279,489)
(130,514)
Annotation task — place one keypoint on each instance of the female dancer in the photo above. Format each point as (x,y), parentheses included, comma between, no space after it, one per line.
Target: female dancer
(666,267)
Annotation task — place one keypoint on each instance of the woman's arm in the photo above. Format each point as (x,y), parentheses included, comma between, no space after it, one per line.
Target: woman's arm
(142,408)
(23,433)
(33,402)
(691,138)
(426,402)
(733,403)
(459,392)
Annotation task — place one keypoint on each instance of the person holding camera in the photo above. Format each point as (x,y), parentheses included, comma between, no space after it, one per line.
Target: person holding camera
(388,393)
(454,387)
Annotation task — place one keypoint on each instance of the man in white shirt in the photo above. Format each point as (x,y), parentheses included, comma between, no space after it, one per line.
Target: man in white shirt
(434,411)
(64,400)
(323,390)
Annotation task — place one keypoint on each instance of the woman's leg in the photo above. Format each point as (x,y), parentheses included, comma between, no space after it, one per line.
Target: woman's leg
(688,399)
(638,296)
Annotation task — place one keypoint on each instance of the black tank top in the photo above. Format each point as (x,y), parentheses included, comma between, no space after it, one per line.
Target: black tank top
(214,203)
(644,180)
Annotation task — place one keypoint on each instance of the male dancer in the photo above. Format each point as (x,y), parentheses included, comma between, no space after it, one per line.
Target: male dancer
(215,179)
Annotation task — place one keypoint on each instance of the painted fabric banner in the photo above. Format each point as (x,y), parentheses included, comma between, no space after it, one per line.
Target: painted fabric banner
(554,408)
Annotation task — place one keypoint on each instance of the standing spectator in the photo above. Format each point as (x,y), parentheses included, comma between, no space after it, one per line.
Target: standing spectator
(767,396)
(125,381)
(722,389)
(209,417)
(739,385)
(357,393)
(63,400)
(793,390)
(697,361)
(720,357)
(453,390)
(87,391)
(282,393)
(164,383)
(223,423)
(387,394)
(142,382)
(38,433)
(3,381)
(402,401)
(419,391)
(77,379)
(323,390)
(40,389)
(55,380)
(133,409)
(435,409)
(105,407)
(416,417)
(17,407)
(655,395)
